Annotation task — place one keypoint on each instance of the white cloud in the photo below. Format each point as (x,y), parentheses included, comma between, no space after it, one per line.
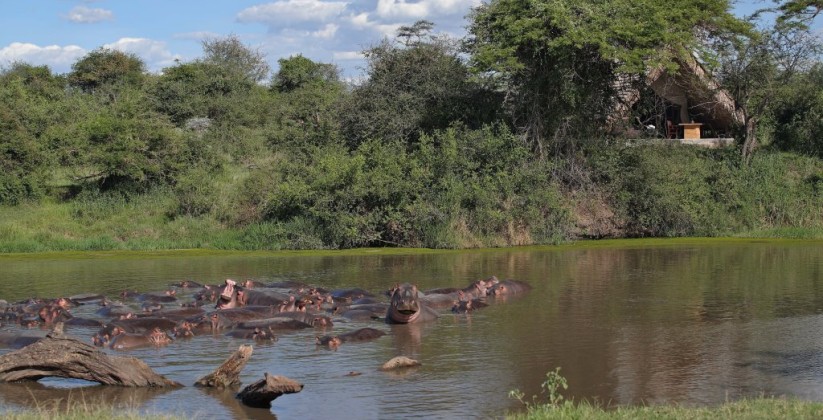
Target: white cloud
(400,9)
(327,32)
(58,58)
(197,36)
(83,14)
(154,53)
(289,11)
(347,55)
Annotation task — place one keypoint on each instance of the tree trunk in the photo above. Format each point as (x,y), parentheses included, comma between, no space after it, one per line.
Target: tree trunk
(263,392)
(751,139)
(58,356)
(228,374)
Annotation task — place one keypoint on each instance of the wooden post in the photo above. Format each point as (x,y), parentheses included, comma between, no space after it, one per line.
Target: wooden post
(228,374)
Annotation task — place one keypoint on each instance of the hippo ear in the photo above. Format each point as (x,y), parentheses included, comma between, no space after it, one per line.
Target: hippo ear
(317,339)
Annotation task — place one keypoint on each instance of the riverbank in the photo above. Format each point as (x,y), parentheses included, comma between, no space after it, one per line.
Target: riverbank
(761,408)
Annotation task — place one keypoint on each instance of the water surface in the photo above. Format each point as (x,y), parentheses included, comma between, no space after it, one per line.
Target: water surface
(686,323)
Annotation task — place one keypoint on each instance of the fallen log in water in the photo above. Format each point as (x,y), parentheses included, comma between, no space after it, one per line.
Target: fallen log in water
(59,356)
(263,392)
(228,374)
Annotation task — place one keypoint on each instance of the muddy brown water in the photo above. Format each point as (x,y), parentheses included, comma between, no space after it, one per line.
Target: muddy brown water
(692,324)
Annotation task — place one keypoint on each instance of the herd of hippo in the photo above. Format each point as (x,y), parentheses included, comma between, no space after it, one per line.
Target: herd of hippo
(246,310)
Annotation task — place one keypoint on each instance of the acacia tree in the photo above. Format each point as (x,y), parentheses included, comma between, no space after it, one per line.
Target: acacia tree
(557,60)
(754,70)
(417,83)
(230,52)
(106,67)
(306,94)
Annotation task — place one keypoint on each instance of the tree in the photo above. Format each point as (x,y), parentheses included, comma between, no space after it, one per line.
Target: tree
(557,61)
(799,10)
(754,70)
(231,53)
(412,88)
(297,72)
(105,67)
(306,94)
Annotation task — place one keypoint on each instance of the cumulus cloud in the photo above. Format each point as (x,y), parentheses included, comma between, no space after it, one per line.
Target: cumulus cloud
(154,53)
(291,11)
(58,58)
(83,14)
(327,32)
(197,36)
(401,9)
(347,55)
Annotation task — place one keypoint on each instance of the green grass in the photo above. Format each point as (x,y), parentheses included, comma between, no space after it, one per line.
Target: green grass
(760,408)
(82,410)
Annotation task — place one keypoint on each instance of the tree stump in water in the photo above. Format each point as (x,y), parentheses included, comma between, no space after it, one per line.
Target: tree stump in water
(58,356)
(228,374)
(263,392)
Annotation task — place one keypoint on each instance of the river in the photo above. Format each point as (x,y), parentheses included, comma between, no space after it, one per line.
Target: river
(688,322)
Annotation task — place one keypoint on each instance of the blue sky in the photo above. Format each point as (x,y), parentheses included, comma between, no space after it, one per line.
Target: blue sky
(59,32)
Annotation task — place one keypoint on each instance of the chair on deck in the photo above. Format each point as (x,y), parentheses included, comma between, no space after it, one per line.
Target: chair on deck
(671,130)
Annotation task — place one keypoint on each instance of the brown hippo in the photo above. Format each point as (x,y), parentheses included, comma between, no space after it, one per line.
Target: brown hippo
(140,325)
(509,287)
(463,306)
(125,341)
(406,306)
(188,284)
(356,336)
(278,323)
(256,334)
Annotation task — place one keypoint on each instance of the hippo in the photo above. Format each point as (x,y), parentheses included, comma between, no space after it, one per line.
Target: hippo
(256,334)
(278,323)
(509,287)
(311,318)
(439,301)
(86,298)
(188,284)
(125,341)
(406,306)
(227,318)
(356,336)
(350,294)
(464,306)
(139,325)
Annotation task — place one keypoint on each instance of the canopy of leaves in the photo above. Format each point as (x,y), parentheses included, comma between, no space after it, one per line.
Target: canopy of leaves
(103,67)
(413,88)
(232,54)
(558,60)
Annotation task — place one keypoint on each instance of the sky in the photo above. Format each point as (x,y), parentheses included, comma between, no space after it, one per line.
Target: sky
(59,32)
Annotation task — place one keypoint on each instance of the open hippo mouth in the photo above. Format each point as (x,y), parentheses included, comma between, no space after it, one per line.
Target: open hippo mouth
(404,313)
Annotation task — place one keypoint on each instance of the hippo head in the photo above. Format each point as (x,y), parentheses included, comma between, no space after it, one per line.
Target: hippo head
(404,306)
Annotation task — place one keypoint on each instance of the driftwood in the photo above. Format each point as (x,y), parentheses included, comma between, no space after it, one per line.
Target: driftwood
(59,356)
(228,374)
(263,392)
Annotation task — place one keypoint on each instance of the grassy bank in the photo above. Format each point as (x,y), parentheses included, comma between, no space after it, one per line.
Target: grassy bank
(659,191)
(761,408)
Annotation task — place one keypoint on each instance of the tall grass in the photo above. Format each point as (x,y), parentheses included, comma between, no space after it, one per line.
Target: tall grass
(556,406)
(60,409)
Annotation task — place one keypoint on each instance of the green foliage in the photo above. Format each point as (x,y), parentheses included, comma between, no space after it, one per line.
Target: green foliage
(557,60)
(104,67)
(232,55)
(551,387)
(798,116)
(412,89)
(306,96)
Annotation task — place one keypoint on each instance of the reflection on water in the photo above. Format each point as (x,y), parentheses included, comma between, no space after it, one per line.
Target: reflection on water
(689,324)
